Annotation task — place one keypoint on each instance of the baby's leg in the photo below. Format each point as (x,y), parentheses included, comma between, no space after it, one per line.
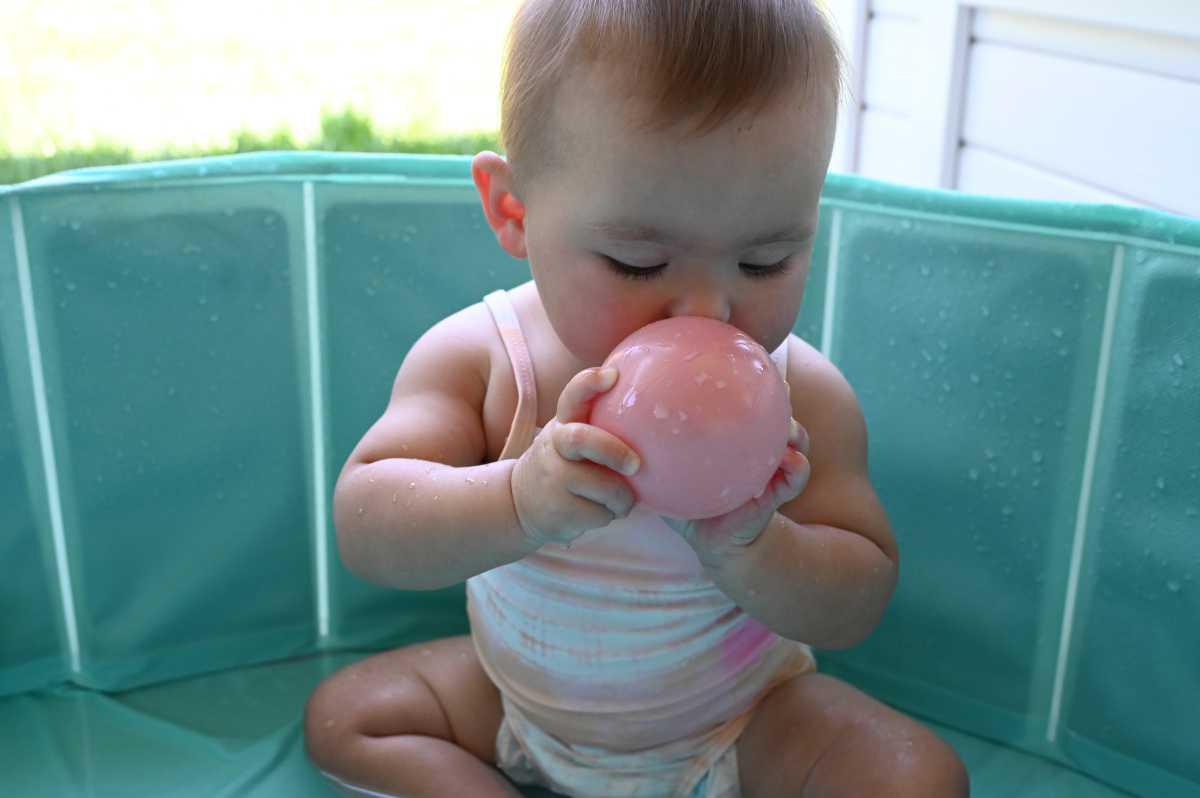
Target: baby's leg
(417,722)
(816,737)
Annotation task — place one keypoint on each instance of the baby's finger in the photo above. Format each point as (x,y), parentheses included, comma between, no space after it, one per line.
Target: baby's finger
(796,471)
(603,488)
(583,387)
(578,441)
(788,482)
(798,438)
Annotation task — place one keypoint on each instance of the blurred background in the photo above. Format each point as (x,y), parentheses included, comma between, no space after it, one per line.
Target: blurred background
(84,83)
(1050,99)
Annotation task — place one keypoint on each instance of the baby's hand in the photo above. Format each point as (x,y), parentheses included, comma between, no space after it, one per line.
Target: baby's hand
(569,479)
(713,538)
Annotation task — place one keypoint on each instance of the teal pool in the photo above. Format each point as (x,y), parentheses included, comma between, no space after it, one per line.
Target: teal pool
(191,349)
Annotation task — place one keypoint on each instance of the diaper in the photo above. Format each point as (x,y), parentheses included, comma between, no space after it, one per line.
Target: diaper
(701,766)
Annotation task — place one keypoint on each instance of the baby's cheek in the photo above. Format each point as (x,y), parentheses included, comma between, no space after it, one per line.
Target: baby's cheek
(595,326)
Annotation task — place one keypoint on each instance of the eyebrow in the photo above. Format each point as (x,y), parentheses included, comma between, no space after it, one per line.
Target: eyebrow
(631,231)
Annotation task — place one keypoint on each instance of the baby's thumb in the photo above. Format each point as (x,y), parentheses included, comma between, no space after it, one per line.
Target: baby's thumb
(575,400)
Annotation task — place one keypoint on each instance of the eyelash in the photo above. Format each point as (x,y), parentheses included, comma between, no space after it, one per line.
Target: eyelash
(636,273)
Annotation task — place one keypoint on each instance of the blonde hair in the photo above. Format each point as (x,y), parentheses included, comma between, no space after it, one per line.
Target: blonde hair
(683,56)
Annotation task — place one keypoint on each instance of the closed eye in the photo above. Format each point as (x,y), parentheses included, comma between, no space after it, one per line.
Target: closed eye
(752,270)
(634,272)
(769,270)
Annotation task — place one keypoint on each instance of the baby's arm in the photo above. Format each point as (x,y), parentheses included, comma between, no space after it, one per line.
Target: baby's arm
(414,506)
(825,566)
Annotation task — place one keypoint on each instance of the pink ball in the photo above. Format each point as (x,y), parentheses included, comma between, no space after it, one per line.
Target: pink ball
(706,410)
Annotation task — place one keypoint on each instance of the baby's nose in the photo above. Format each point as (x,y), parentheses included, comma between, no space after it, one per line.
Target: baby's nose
(707,302)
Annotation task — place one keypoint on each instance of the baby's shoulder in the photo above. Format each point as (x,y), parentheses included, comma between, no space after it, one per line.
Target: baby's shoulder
(820,394)
(471,344)
(465,342)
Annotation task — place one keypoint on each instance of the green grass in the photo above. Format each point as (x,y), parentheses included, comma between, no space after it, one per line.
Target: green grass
(345,132)
(86,84)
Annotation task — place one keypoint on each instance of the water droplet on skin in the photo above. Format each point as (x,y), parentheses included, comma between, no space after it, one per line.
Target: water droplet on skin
(412,484)
(361,511)
(660,412)
(701,378)
(371,480)
(721,383)
(470,481)
(395,496)
(674,430)
(690,357)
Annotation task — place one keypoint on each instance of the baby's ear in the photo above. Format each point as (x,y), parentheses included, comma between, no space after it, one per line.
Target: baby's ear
(505,213)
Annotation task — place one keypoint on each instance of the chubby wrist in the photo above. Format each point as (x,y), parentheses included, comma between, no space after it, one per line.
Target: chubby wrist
(720,550)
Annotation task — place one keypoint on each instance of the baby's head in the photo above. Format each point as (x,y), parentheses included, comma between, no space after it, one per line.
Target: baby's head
(665,157)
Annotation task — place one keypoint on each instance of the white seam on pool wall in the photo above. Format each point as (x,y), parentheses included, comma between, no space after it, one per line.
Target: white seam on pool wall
(316,387)
(831,281)
(45,437)
(1085,493)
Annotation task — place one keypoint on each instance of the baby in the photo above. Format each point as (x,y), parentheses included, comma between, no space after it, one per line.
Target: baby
(665,158)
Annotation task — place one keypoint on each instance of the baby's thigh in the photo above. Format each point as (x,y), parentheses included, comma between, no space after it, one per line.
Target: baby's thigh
(817,736)
(435,689)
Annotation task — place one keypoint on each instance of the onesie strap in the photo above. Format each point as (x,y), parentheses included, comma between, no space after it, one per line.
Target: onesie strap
(780,358)
(525,418)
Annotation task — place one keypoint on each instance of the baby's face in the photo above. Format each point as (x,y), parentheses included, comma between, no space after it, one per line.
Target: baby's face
(736,210)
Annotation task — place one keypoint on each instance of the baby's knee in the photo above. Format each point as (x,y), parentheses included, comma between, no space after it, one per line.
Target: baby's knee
(928,767)
(323,737)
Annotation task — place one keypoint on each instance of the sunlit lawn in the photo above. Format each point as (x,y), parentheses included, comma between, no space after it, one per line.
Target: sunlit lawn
(149,74)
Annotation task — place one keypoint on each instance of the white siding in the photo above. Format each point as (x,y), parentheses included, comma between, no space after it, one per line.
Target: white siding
(1113,128)
(1095,101)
